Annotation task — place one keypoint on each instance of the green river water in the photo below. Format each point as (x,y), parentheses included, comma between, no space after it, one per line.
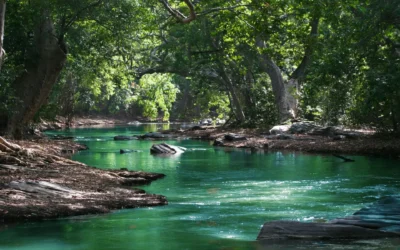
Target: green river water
(218,198)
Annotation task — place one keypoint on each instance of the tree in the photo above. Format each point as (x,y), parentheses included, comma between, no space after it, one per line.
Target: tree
(2,20)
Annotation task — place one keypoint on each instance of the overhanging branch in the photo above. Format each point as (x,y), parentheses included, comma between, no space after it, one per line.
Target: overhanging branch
(177,14)
(301,69)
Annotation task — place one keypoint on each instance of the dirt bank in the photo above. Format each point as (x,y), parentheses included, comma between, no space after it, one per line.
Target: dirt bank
(38,182)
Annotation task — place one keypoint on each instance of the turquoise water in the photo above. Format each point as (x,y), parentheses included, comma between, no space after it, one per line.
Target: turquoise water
(218,198)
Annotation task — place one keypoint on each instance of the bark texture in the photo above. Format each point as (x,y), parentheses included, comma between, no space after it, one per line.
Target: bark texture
(2,20)
(277,82)
(33,87)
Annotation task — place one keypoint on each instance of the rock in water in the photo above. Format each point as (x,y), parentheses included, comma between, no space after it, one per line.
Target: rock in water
(164,148)
(154,135)
(125,151)
(286,230)
(218,142)
(124,138)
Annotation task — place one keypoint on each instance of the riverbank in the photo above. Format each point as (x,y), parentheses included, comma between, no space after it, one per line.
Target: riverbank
(365,143)
(38,181)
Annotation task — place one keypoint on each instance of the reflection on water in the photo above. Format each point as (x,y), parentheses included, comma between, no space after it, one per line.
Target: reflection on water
(218,198)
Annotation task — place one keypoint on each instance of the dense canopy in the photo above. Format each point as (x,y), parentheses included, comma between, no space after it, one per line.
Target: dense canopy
(251,62)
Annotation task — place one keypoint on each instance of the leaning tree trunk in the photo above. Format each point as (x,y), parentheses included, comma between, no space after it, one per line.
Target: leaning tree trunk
(278,87)
(2,20)
(33,87)
(281,94)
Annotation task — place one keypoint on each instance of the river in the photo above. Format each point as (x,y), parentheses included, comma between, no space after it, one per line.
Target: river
(218,197)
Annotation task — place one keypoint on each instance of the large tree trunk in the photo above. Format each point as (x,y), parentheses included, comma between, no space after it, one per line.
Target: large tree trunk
(2,20)
(278,87)
(235,102)
(33,87)
(293,85)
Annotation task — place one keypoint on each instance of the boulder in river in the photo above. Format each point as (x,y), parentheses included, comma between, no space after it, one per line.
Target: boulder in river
(154,135)
(291,230)
(164,148)
(124,138)
(380,220)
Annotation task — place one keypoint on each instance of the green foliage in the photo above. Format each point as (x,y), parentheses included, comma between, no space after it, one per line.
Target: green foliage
(353,77)
(156,93)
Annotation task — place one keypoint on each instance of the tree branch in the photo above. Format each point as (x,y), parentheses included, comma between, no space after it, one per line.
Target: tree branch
(161,69)
(77,15)
(177,14)
(212,10)
(2,20)
(301,69)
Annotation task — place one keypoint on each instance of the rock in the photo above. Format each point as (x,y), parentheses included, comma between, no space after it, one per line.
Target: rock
(125,151)
(280,129)
(207,121)
(124,138)
(42,187)
(220,121)
(348,134)
(382,215)
(324,131)
(154,135)
(194,128)
(302,127)
(218,142)
(234,137)
(61,137)
(290,230)
(164,148)
(338,137)
(134,123)
(284,137)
